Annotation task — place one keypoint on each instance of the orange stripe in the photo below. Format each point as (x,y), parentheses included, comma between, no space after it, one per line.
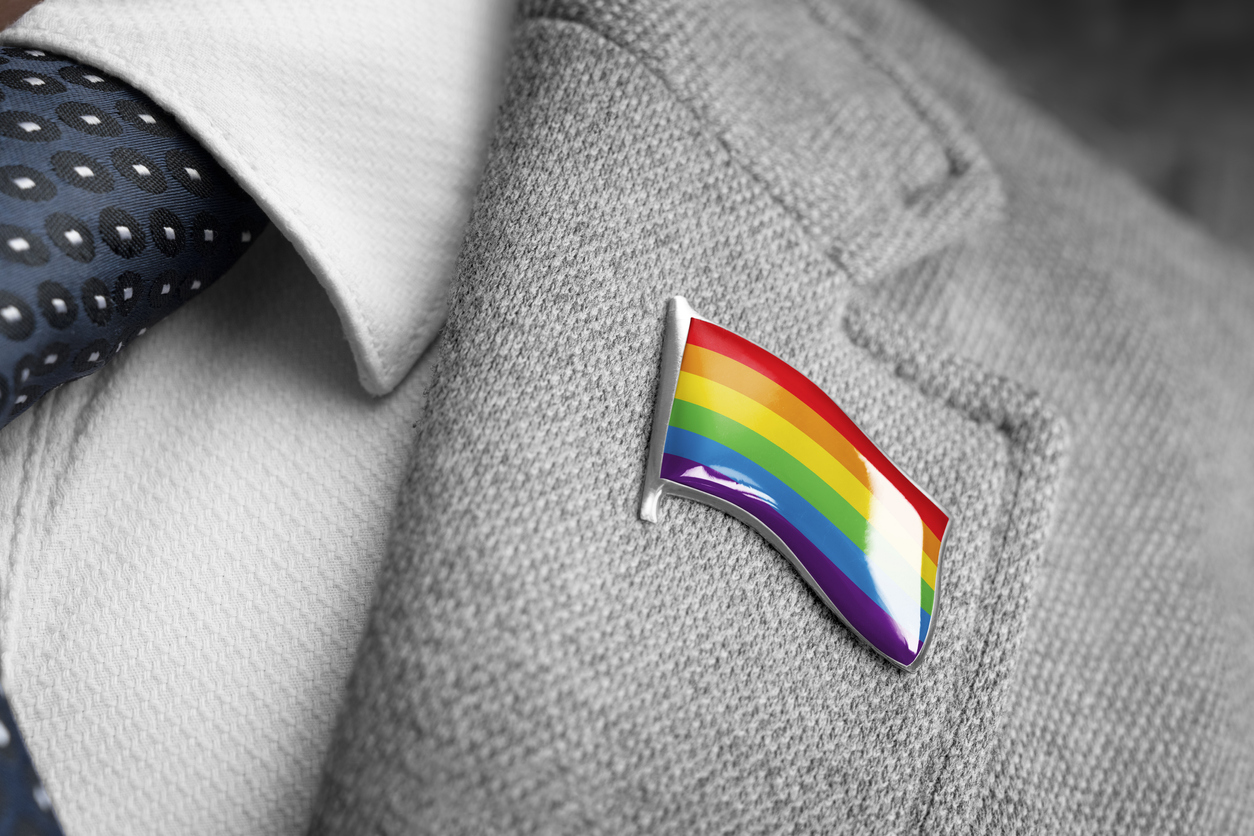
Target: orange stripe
(931,546)
(717,367)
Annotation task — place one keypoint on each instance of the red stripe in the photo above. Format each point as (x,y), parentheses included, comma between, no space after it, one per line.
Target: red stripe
(715,338)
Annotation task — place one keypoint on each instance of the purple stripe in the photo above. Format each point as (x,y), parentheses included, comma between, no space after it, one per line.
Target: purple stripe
(863,614)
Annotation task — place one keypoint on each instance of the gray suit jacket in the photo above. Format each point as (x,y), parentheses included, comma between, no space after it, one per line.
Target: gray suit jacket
(1066,366)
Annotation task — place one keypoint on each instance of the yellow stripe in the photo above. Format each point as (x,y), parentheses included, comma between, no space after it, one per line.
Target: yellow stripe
(766,423)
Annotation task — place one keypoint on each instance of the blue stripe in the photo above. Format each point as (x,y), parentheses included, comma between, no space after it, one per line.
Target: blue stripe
(815,527)
(925,623)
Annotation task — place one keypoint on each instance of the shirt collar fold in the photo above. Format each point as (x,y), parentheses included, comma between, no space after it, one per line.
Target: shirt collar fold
(357,127)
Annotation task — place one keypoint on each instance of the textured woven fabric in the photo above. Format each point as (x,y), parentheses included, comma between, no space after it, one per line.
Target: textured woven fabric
(85,197)
(111,216)
(189,538)
(538,660)
(356,127)
(1131,710)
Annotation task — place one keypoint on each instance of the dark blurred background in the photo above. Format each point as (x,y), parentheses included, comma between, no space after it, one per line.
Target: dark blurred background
(1163,88)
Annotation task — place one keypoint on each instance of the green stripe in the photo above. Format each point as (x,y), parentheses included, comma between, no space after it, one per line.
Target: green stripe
(808,485)
(928,594)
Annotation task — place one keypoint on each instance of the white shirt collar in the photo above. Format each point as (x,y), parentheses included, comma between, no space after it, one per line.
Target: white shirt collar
(357,126)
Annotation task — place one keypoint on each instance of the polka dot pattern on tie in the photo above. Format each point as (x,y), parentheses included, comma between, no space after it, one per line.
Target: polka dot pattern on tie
(111,217)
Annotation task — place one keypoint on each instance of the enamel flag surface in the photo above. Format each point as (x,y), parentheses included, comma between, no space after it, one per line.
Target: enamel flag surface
(739,429)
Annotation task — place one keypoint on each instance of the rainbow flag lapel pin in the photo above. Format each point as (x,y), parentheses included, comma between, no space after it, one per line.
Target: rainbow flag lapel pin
(737,428)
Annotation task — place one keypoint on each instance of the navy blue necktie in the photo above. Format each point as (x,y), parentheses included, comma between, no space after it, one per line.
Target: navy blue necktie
(111,217)
(25,809)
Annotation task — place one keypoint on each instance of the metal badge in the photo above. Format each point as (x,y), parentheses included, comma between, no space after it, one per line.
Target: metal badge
(737,428)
